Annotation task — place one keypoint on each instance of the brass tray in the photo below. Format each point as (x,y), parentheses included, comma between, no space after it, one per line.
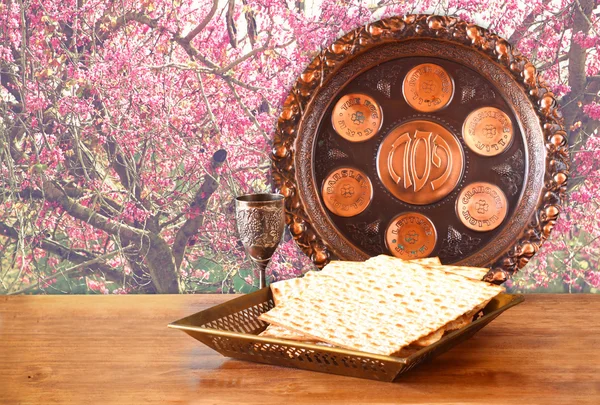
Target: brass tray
(352,156)
(231,329)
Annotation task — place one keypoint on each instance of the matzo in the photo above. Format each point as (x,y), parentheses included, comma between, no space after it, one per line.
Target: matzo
(397,265)
(286,288)
(285,333)
(380,311)
(476,273)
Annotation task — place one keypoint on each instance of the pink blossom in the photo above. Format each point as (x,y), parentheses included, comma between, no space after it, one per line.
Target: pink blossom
(127,120)
(593,110)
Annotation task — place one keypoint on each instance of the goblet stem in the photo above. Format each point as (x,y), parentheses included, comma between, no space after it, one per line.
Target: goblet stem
(262,272)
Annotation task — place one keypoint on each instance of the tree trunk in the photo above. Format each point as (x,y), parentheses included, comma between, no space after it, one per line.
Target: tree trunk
(577,77)
(161,264)
(153,249)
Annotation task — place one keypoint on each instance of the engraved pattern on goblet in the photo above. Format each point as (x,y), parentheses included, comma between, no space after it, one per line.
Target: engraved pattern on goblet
(260,227)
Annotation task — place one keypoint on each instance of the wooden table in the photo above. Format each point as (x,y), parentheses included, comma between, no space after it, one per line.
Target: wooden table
(118,350)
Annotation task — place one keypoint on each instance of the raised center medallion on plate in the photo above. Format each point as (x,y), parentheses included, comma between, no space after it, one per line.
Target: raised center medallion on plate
(488,131)
(410,236)
(347,192)
(428,87)
(357,117)
(420,162)
(481,206)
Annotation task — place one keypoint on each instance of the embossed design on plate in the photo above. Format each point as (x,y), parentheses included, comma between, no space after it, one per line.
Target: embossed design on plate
(381,78)
(472,88)
(511,172)
(367,235)
(357,117)
(347,192)
(420,162)
(428,87)
(481,206)
(328,154)
(488,131)
(410,236)
(457,244)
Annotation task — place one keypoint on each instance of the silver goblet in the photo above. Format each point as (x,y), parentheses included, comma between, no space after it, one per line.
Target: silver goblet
(260,222)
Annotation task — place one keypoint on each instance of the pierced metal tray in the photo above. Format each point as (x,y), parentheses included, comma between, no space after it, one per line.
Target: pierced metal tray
(231,329)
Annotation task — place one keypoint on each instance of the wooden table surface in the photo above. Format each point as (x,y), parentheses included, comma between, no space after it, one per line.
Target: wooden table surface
(118,350)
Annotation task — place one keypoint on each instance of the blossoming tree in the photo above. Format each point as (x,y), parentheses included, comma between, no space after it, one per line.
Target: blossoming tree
(126,128)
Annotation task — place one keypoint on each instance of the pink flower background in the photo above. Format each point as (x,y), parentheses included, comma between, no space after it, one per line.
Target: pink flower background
(116,118)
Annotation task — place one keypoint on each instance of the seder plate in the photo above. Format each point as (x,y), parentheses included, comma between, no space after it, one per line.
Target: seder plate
(421,136)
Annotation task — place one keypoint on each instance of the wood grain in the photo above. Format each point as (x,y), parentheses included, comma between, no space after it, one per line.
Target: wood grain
(118,350)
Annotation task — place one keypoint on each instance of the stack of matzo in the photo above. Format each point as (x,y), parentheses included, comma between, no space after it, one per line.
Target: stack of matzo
(378,306)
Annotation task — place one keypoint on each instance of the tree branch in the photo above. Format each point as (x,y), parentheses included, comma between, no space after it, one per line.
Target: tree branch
(9,84)
(123,167)
(192,225)
(66,253)
(586,15)
(190,50)
(120,22)
(248,112)
(552,63)
(64,273)
(108,207)
(56,193)
(204,22)
(209,110)
(245,57)
(522,29)
(153,249)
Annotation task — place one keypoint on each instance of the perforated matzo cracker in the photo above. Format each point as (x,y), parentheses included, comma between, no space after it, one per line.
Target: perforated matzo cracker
(380,310)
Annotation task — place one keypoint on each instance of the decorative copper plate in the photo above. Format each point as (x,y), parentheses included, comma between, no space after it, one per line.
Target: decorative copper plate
(410,236)
(488,131)
(481,206)
(356,117)
(481,114)
(428,87)
(420,162)
(347,192)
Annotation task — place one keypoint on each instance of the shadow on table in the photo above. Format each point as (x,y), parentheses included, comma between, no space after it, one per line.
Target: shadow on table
(458,374)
